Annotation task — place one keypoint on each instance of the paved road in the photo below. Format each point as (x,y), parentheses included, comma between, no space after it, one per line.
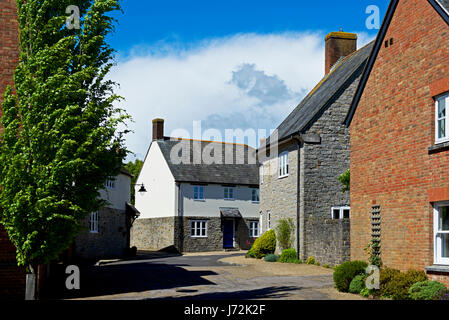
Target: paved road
(200,277)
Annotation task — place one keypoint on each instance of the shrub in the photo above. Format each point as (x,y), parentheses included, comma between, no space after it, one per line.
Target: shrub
(265,244)
(288,256)
(250,253)
(284,233)
(310,260)
(396,285)
(347,271)
(357,284)
(327,266)
(271,258)
(365,292)
(427,290)
(298,261)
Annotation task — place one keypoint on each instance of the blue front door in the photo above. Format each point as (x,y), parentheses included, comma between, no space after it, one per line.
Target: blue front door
(228,234)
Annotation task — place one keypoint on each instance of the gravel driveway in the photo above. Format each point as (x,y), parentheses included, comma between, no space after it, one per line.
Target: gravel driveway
(214,276)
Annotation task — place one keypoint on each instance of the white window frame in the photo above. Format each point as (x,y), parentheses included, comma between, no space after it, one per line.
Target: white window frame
(437,239)
(284,164)
(260,223)
(446,117)
(268,220)
(196,231)
(254,232)
(93,222)
(197,192)
(341,214)
(255,198)
(261,171)
(226,194)
(110,183)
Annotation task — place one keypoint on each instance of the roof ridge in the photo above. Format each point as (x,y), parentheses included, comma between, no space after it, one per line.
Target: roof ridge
(209,141)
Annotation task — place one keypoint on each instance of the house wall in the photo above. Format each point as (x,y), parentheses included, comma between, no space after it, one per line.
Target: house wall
(120,195)
(326,239)
(214,200)
(159,200)
(391,132)
(280,195)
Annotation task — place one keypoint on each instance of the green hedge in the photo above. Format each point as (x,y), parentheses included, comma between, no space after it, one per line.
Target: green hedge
(396,285)
(264,245)
(427,290)
(288,256)
(357,284)
(346,272)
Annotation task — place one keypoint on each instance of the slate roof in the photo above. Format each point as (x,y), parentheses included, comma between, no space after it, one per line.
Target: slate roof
(326,89)
(444,4)
(230,213)
(243,169)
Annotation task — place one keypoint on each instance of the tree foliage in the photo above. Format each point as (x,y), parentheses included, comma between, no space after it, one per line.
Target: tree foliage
(284,233)
(345,179)
(60,140)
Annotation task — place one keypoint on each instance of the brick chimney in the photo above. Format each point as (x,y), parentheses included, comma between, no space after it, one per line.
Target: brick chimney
(158,129)
(339,44)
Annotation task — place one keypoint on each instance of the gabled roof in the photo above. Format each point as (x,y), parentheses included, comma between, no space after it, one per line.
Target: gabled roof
(243,169)
(324,92)
(441,6)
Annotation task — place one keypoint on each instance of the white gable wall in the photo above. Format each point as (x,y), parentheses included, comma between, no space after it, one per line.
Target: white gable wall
(159,200)
(120,194)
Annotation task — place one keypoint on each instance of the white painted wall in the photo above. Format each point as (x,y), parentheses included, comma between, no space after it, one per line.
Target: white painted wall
(214,199)
(120,194)
(159,200)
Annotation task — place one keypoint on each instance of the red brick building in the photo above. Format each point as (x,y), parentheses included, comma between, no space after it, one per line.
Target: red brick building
(12,278)
(399,124)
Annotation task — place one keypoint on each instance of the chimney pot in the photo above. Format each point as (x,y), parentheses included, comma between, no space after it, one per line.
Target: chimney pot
(158,129)
(339,44)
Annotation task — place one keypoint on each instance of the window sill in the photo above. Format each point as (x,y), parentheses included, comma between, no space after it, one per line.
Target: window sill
(438,268)
(195,237)
(283,177)
(441,146)
(200,200)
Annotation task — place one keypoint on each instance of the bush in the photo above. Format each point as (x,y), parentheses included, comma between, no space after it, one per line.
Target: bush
(357,284)
(284,233)
(327,266)
(310,260)
(365,293)
(265,244)
(347,271)
(250,253)
(427,290)
(396,285)
(288,256)
(271,258)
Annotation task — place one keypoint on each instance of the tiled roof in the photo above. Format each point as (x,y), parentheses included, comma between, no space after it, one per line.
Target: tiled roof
(243,169)
(444,4)
(326,89)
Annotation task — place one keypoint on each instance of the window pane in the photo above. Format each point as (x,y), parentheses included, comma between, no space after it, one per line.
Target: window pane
(346,213)
(442,128)
(444,219)
(445,246)
(441,108)
(336,214)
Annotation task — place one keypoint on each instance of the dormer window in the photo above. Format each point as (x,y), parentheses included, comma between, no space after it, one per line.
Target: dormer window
(441,119)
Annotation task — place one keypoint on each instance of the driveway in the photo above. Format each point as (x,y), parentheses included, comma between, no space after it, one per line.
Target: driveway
(214,276)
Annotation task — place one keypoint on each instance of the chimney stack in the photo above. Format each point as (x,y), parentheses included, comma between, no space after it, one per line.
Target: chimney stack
(339,44)
(158,129)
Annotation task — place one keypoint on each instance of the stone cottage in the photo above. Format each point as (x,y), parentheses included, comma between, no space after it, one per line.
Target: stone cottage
(400,142)
(302,160)
(201,195)
(106,233)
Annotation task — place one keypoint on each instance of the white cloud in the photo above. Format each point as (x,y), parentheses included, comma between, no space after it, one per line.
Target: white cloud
(243,81)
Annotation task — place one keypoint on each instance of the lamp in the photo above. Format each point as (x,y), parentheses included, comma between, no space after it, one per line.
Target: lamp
(142,188)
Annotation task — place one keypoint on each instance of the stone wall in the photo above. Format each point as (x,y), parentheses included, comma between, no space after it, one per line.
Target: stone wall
(322,164)
(280,195)
(109,242)
(153,234)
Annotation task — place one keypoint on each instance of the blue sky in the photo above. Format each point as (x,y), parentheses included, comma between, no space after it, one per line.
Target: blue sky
(229,64)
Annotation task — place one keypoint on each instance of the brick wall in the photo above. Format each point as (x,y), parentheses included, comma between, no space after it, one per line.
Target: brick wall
(391,133)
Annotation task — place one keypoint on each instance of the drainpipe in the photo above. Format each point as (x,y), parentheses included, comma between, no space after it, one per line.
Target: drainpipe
(298,140)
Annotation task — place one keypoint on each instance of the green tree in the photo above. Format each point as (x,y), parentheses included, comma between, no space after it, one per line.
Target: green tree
(134,168)
(345,179)
(284,233)
(60,140)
